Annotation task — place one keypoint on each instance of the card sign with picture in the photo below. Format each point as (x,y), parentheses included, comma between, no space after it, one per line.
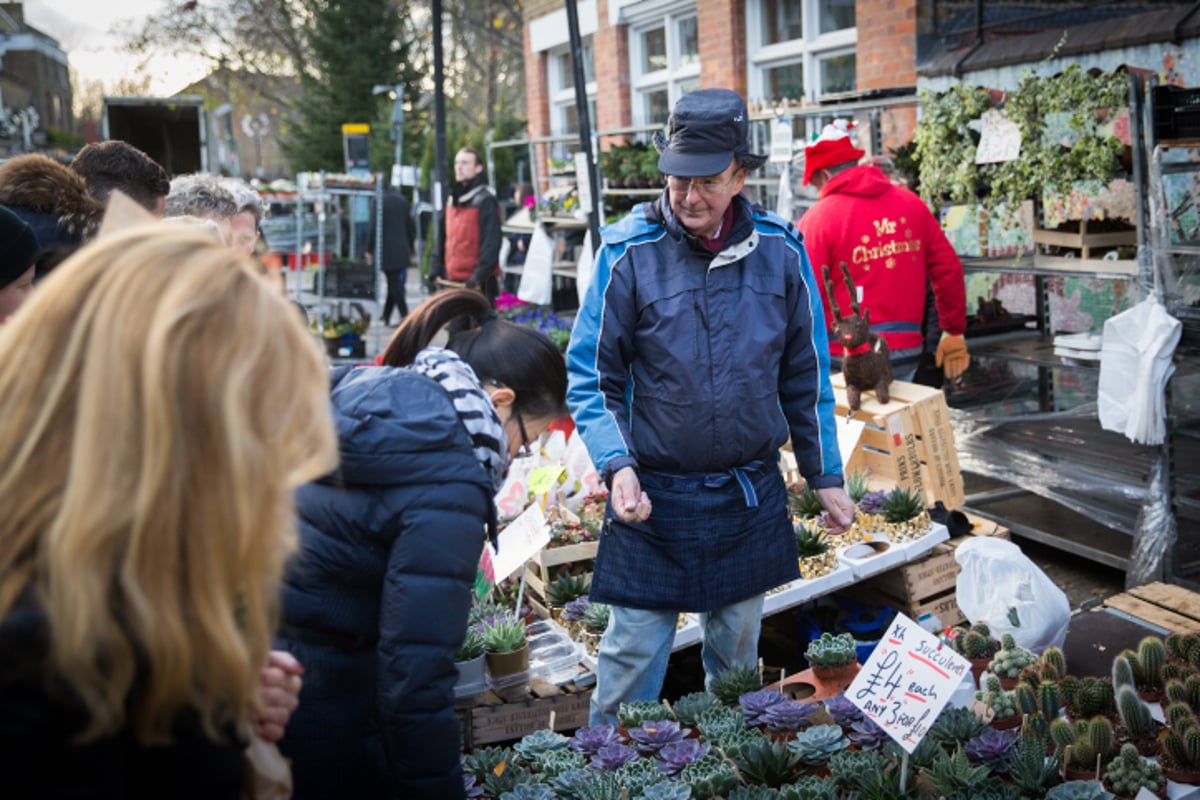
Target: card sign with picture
(907,681)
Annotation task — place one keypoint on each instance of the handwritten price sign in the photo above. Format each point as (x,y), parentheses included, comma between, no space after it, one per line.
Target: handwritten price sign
(907,681)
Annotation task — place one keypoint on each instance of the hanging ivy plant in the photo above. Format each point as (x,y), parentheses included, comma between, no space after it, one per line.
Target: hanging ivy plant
(946,144)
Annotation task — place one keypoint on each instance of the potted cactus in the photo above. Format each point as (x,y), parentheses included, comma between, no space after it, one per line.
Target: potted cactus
(1009,660)
(507,652)
(834,660)
(977,645)
(1087,697)
(1002,704)
(1086,745)
(1129,773)
(1180,754)
(469,661)
(1140,727)
(562,590)
(904,515)
(1146,664)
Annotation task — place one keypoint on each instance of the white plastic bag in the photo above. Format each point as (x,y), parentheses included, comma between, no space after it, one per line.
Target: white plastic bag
(1135,365)
(1000,586)
(536,274)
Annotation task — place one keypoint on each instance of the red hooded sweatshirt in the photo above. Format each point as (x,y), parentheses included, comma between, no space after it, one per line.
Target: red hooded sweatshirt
(893,245)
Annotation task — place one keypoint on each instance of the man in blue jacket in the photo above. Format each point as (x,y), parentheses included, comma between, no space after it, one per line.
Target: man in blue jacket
(699,349)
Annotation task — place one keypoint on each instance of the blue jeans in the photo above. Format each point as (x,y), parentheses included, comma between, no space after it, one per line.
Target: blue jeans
(637,645)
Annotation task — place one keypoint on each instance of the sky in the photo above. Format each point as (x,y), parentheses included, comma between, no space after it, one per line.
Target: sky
(90,32)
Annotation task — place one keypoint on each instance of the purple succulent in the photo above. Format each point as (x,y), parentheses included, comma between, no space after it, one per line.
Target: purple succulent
(754,704)
(872,502)
(789,715)
(575,609)
(589,740)
(613,756)
(844,712)
(866,735)
(652,736)
(992,747)
(470,787)
(677,755)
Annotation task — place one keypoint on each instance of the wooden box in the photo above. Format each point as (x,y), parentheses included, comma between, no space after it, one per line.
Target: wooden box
(540,565)
(1084,241)
(1172,608)
(907,442)
(494,720)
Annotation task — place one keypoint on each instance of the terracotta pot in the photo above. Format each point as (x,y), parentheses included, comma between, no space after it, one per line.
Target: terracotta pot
(1187,776)
(836,677)
(501,665)
(1007,723)
(1077,774)
(1151,695)
(1008,684)
(978,667)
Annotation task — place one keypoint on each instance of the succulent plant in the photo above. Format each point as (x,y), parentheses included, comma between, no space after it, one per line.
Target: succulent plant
(831,650)
(590,739)
(810,787)
(1122,670)
(717,722)
(1129,772)
(506,778)
(1086,744)
(1135,715)
(754,704)
(902,504)
(612,757)
(472,646)
(788,716)
(536,744)
(569,783)
(734,742)
(955,726)
(1179,714)
(504,635)
(651,736)
(872,502)
(486,760)
(818,743)
(556,762)
(471,787)
(687,708)
(988,789)
(883,783)
(1028,766)
(991,748)
(996,698)
(845,766)
(1024,697)
(735,681)
(754,792)
(566,588)
(809,542)
(530,791)
(479,613)
(1087,697)
(633,714)
(709,777)
(843,711)
(865,734)
(675,756)
(635,776)
(574,610)
(1151,655)
(1079,790)
(858,484)
(952,774)
(1053,657)
(601,786)
(976,642)
(667,791)
(1011,658)
(1182,748)
(768,762)
(596,617)
(804,503)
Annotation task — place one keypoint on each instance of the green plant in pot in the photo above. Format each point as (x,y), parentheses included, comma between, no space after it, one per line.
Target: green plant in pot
(812,550)
(833,658)
(563,590)
(506,648)
(1086,745)
(1129,773)
(469,659)
(904,515)
(977,645)
(1009,660)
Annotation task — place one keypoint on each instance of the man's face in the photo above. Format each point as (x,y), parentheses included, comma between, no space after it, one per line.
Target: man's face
(700,203)
(243,233)
(465,166)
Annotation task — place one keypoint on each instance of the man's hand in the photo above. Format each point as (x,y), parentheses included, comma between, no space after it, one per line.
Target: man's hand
(839,508)
(952,356)
(629,502)
(278,693)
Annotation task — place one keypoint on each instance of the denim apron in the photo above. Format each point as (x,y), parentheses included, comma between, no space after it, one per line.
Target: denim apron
(712,539)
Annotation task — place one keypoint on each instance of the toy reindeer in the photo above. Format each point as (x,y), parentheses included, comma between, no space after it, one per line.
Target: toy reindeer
(865,363)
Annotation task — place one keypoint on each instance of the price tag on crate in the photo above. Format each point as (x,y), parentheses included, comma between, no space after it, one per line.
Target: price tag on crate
(907,681)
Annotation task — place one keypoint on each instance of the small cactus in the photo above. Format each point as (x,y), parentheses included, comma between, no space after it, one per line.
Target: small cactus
(1135,715)
(1025,698)
(1053,656)
(1152,654)
(1177,714)
(1048,701)
(1122,670)
(1011,658)
(1129,773)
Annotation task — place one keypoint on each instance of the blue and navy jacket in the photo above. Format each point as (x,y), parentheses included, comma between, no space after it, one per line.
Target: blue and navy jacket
(685,361)
(389,547)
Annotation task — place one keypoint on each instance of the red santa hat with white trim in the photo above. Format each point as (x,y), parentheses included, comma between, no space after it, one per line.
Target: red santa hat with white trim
(831,148)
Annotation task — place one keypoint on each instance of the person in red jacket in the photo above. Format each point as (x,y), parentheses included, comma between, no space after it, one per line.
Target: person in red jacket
(469,249)
(894,247)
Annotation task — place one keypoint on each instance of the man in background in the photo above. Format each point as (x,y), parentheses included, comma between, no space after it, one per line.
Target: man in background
(469,248)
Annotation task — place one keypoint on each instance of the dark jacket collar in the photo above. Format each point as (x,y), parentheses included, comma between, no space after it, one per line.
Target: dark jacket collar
(660,211)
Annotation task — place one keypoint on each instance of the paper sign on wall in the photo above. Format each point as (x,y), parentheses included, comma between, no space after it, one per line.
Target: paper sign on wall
(1000,139)
(520,541)
(907,681)
(781,140)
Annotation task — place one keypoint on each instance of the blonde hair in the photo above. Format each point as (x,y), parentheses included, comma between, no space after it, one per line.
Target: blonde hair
(158,405)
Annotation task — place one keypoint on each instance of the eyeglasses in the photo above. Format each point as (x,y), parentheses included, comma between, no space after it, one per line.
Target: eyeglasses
(526,448)
(708,187)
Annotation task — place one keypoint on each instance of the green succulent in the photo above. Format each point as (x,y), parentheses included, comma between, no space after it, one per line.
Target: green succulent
(1087,697)
(902,504)
(810,787)
(884,784)
(810,543)
(1182,747)
(472,646)
(1028,766)
(566,588)
(1079,790)
(633,714)
(858,483)
(505,635)
(485,760)
(556,762)
(754,792)
(1123,672)
(600,785)
(955,726)
(1129,772)
(687,708)
(976,642)
(845,766)
(500,781)
(735,742)
(1053,656)
(831,650)
(709,777)
(483,611)
(720,721)
(1002,703)
(538,744)
(768,762)
(817,744)
(1178,714)
(1151,655)
(952,774)
(988,789)
(804,503)
(1135,715)
(734,682)
(666,791)
(635,776)
(529,791)
(1085,742)
(596,618)
(1011,658)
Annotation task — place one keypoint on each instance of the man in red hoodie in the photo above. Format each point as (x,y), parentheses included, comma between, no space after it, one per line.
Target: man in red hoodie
(895,250)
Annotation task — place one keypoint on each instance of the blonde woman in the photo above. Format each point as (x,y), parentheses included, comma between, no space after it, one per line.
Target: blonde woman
(159,404)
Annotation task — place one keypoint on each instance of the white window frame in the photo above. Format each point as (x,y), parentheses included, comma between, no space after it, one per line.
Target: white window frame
(807,51)
(562,96)
(675,77)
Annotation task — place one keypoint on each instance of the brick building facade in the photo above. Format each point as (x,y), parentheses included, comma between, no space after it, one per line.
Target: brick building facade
(33,75)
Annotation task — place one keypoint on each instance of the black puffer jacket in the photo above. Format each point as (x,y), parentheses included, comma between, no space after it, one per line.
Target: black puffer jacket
(376,602)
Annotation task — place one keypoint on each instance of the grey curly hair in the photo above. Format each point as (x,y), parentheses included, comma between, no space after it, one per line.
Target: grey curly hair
(200,195)
(246,198)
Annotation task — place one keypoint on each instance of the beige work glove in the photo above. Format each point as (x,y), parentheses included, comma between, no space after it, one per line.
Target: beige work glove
(952,356)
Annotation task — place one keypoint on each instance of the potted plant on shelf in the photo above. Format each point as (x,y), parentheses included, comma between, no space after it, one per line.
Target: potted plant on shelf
(904,515)
(1001,703)
(813,551)
(1129,773)
(977,645)
(595,623)
(469,660)
(833,659)
(507,651)
(1180,755)
(562,590)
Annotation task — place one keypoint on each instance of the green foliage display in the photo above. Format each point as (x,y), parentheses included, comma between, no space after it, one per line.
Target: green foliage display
(735,682)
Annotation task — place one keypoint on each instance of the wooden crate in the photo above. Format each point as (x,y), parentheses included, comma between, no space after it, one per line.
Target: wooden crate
(494,720)
(907,442)
(539,568)
(1083,240)
(1172,608)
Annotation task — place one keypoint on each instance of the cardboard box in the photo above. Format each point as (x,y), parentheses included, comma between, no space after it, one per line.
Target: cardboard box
(495,720)
(908,442)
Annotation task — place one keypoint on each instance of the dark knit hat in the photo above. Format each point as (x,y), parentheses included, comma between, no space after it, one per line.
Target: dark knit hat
(707,129)
(18,247)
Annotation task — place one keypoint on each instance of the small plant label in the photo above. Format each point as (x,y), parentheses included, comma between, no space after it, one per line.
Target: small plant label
(907,681)
(520,541)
